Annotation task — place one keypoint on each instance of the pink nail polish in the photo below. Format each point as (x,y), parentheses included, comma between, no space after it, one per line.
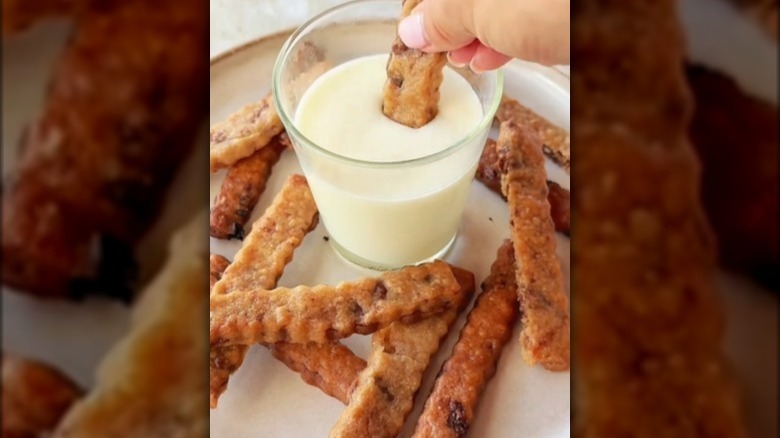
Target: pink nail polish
(412,32)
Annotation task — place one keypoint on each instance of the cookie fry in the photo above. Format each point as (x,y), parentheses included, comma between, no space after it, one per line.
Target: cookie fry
(543,302)
(411,93)
(326,313)
(332,367)
(400,353)
(450,408)
(242,133)
(260,262)
(489,173)
(555,141)
(244,183)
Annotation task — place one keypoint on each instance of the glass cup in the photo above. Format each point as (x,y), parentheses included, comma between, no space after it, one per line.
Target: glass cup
(380,215)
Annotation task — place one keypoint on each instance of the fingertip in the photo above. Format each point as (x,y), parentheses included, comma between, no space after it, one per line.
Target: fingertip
(411,30)
(485,59)
(462,57)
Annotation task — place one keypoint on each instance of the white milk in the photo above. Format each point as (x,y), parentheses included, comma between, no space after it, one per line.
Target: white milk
(388,216)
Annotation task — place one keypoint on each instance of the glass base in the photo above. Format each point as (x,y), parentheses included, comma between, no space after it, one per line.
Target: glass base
(355,259)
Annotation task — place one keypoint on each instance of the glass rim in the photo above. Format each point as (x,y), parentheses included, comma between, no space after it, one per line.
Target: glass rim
(485,121)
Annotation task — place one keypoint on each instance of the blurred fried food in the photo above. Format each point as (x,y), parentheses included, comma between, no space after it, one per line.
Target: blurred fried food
(543,302)
(35,397)
(648,329)
(763,12)
(118,119)
(735,136)
(153,383)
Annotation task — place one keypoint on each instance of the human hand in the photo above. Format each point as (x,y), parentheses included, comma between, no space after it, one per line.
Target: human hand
(486,34)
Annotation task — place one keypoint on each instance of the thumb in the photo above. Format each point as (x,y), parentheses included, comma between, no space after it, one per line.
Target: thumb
(437,25)
(534,30)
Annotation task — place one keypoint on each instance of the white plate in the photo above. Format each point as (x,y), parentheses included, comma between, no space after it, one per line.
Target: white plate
(264,398)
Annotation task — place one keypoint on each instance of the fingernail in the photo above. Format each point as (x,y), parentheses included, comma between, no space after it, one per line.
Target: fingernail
(412,32)
(475,69)
(455,64)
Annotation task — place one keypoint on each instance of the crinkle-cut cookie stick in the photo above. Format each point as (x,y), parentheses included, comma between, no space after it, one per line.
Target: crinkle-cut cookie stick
(543,301)
(325,313)
(411,93)
(648,328)
(331,367)
(489,173)
(243,132)
(450,408)
(260,262)
(400,354)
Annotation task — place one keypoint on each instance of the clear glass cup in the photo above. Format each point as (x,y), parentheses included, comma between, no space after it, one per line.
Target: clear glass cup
(373,220)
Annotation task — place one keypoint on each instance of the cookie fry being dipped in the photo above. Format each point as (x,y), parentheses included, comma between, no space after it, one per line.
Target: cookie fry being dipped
(411,93)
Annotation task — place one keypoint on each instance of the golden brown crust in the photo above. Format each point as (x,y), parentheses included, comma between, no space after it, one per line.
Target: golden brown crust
(35,397)
(489,173)
(89,162)
(411,92)
(325,313)
(648,329)
(384,393)
(332,367)
(449,410)
(543,301)
(243,132)
(244,183)
(259,263)
(556,142)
